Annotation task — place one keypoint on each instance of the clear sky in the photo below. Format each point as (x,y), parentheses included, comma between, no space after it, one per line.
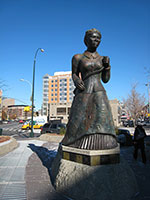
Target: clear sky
(59,27)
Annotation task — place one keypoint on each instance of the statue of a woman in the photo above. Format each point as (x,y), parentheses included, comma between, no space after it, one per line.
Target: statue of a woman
(90,124)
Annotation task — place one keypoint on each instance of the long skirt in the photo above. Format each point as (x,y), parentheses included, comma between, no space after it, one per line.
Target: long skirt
(90,124)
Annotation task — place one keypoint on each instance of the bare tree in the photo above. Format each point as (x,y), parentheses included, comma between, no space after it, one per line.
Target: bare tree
(2,84)
(134,102)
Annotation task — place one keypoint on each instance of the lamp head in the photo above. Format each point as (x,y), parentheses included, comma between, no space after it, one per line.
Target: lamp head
(42,50)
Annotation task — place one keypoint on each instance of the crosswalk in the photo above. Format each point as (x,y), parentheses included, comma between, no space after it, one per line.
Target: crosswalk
(19,130)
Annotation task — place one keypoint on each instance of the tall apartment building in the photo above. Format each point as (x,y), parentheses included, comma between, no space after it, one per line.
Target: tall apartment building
(57,95)
(45,94)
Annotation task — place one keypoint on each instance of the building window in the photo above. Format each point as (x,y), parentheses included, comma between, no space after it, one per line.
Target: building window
(51,94)
(52,85)
(55,99)
(56,90)
(51,89)
(52,81)
(61,111)
(52,99)
(46,77)
(55,85)
(45,81)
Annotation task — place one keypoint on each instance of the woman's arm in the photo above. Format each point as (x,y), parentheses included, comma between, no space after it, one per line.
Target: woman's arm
(106,70)
(75,72)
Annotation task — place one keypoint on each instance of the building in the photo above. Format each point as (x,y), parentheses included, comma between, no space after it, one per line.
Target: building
(8,102)
(17,112)
(5,103)
(57,95)
(116,111)
(45,94)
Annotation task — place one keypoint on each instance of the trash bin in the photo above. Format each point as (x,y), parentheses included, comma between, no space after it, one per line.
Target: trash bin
(1,131)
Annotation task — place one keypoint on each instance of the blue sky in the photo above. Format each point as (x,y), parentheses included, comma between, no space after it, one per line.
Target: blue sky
(59,27)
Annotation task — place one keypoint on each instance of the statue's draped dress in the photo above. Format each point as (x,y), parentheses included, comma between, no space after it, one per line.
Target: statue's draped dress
(90,124)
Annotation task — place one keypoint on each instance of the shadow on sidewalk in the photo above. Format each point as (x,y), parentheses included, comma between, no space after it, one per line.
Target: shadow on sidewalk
(45,155)
(45,190)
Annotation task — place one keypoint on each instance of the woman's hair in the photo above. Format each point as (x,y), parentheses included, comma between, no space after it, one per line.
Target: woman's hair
(89,32)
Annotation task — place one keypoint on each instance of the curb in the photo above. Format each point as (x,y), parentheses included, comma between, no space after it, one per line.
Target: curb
(7,146)
(51,137)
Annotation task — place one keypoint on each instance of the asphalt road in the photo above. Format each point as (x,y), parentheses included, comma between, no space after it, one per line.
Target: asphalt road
(14,129)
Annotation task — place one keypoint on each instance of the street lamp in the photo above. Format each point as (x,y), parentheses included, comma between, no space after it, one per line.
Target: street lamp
(42,50)
(28,83)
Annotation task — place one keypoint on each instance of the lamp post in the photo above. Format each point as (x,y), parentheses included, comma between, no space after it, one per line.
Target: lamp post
(22,79)
(42,50)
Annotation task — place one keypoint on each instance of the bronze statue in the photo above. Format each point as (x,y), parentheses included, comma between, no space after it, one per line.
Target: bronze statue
(90,124)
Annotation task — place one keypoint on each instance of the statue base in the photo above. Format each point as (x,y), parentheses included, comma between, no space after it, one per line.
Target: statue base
(91,157)
(93,179)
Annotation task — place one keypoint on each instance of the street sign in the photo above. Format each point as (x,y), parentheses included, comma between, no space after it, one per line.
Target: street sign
(27,108)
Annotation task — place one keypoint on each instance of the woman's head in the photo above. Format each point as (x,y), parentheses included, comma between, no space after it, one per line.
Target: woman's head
(91,37)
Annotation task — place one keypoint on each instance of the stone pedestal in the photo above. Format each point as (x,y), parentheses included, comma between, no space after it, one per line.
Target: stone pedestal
(91,157)
(92,182)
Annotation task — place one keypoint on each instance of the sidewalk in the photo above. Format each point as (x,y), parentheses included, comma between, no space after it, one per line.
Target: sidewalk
(12,171)
(24,174)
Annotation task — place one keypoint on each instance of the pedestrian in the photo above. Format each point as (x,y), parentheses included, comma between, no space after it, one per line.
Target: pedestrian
(139,136)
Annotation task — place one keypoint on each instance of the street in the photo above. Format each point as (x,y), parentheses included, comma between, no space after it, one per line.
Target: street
(131,129)
(14,129)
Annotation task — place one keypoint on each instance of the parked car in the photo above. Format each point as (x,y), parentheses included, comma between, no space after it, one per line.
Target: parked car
(52,127)
(124,137)
(36,124)
(5,122)
(21,121)
(26,125)
(128,123)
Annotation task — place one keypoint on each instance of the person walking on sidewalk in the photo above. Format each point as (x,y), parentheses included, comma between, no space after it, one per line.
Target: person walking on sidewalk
(139,136)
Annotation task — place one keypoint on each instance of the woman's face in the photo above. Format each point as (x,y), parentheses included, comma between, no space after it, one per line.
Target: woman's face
(93,40)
